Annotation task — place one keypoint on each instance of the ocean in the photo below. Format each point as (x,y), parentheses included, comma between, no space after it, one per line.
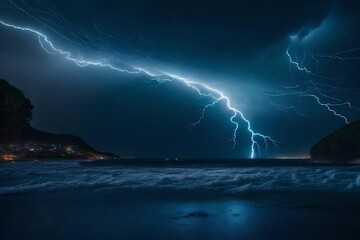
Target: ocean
(268,199)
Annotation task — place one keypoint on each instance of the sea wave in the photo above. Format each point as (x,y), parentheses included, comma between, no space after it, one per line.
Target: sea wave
(50,175)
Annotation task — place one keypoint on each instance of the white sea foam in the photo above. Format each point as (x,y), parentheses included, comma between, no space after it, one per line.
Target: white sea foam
(44,176)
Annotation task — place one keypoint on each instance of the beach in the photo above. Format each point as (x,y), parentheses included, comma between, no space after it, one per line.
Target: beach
(69,200)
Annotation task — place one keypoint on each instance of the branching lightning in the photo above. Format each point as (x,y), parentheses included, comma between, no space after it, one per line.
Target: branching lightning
(200,88)
(312,88)
(328,106)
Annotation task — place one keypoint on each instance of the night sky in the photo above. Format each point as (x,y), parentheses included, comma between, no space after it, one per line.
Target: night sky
(291,67)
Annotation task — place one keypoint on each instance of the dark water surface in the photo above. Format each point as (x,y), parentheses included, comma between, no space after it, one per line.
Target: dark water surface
(70,200)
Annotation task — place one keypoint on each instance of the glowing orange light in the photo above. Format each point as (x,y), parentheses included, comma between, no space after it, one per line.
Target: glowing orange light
(8,157)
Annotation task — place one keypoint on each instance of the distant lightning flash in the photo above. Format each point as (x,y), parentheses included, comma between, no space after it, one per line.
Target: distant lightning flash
(301,67)
(315,86)
(328,106)
(298,66)
(341,55)
(201,88)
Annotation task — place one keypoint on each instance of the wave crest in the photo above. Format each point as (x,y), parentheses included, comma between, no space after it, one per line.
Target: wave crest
(44,176)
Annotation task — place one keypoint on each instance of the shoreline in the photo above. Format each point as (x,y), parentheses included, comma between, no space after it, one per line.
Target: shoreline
(159,162)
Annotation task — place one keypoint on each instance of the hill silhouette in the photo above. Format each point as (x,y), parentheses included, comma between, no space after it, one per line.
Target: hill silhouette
(16,112)
(343,145)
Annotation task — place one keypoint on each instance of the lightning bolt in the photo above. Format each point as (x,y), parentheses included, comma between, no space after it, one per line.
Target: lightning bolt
(301,66)
(315,86)
(200,88)
(328,106)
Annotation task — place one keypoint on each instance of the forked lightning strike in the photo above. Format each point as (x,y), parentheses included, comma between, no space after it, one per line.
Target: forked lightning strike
(201,88)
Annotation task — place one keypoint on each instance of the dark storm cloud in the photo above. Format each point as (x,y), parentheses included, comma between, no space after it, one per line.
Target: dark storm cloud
(202,29)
